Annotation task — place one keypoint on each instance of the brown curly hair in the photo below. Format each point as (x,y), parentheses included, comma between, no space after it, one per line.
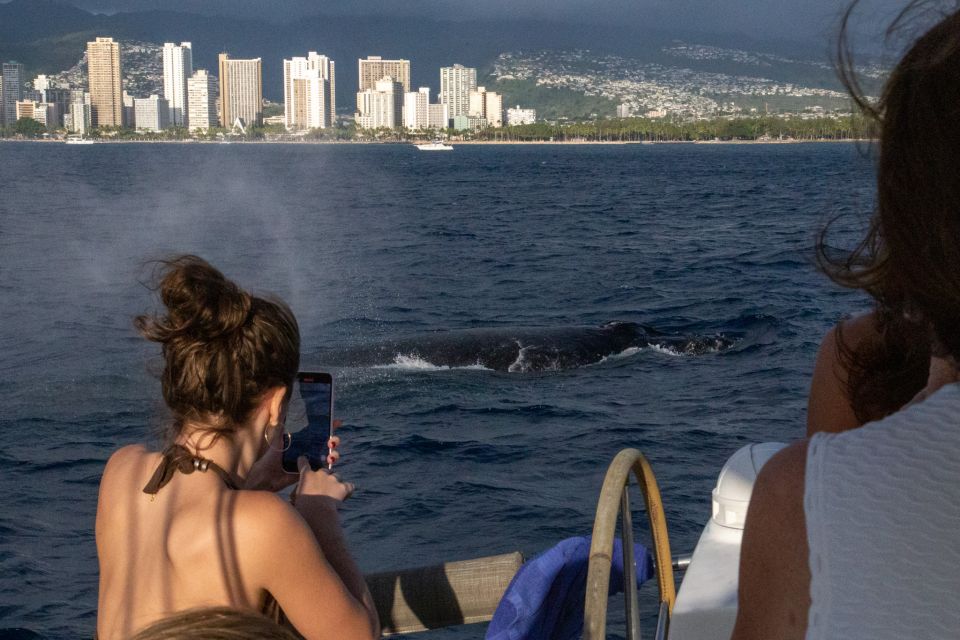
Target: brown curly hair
(222,347)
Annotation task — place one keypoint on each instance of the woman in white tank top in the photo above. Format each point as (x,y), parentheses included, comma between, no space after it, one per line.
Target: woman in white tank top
(857,534)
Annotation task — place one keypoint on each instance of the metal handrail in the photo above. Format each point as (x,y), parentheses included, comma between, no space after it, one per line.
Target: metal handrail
(614,498)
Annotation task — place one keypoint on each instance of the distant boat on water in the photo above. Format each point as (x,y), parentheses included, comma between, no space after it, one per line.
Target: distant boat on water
(436,145)
(75,139)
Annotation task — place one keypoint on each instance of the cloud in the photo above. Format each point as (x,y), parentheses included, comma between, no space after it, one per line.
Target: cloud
(764,18)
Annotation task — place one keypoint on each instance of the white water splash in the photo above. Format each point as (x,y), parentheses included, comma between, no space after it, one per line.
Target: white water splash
(667,350)
(626,353)
(413,362)
(520,365)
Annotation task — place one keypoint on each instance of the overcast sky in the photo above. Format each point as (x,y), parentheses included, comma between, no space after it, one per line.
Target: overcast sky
(764,19)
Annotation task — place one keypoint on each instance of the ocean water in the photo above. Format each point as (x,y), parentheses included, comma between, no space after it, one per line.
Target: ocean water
(376,243)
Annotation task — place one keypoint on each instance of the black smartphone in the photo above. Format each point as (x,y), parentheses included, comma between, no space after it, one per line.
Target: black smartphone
(315,390)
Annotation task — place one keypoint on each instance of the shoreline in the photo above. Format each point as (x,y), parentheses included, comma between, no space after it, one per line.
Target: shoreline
(459,142)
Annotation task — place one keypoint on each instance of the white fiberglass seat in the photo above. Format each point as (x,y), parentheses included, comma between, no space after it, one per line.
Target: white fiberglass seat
(706,605)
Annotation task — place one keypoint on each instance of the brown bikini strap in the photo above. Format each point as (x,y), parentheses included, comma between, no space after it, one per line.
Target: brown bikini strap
(178,458)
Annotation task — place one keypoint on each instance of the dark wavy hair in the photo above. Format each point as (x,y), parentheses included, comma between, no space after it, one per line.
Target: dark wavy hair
(909,260)
(222,347)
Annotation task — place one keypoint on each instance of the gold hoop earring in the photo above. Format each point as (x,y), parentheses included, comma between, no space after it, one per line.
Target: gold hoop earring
(283,432)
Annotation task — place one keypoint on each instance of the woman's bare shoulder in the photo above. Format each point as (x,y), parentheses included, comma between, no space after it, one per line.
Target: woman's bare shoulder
(774,576)
(262,515)
(852,331)
(828,407)
(856,329)
(127,460)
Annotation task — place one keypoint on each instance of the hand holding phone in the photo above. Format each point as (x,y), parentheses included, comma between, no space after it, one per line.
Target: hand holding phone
(313,441)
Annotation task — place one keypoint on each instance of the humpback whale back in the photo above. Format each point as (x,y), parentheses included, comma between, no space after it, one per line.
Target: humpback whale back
(519,350)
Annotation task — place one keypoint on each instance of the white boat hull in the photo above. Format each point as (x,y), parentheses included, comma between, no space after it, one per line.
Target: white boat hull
(706,605)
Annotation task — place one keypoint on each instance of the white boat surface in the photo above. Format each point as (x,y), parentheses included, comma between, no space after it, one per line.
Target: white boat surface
(706,605)
(436,145)
(77,140)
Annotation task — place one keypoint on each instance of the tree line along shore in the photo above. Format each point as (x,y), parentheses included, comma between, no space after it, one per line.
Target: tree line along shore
(760,128)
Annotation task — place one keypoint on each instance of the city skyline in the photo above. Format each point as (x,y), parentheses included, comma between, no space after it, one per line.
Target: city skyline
(606,85)
(309,95)
(472,105)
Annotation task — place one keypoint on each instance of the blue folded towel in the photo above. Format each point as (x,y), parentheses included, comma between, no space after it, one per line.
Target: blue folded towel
(545,599)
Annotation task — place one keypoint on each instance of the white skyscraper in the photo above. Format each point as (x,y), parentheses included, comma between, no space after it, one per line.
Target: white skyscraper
(177,69)
(151,114)
(382,106)
(202,89)
(487,105)
(416,109)
(438,116)
(309,92)
(419,113)
(456,83)
(80,114)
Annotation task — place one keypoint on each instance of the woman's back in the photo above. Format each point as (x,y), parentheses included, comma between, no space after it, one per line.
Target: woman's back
(175,531)
(882,530)
(179,549)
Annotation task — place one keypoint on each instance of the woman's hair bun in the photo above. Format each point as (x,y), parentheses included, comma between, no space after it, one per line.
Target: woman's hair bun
(201,303)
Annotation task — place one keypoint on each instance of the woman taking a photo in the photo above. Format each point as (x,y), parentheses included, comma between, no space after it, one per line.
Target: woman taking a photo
(200,524)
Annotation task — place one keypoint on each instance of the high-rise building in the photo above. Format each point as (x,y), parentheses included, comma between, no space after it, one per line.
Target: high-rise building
(81,118)
(456,83)
(419,113)
(129,111)
(151,114)
(12,91)
(25,109)
(375,68)
(493,109)
(103,81)
(43,112)
(241,91)
(177,69)
(416,109)
(309,92)
(438,116)
(202,96)
(49,92)
(487,105)
(381,106)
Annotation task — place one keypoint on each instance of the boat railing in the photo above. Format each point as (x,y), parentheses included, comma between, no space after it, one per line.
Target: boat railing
(615,500)
(442,595)
(468,591)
